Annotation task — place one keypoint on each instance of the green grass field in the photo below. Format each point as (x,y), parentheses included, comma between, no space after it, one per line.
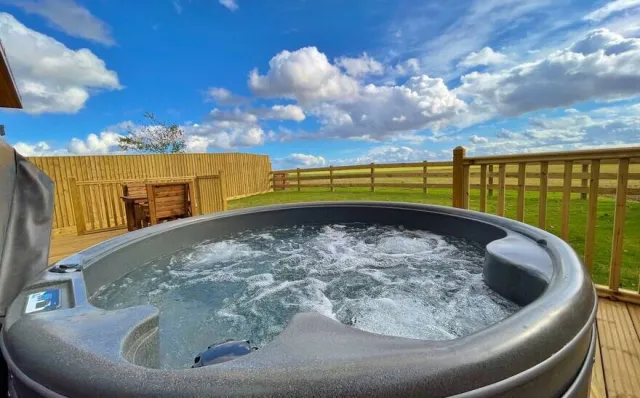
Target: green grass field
(604,225)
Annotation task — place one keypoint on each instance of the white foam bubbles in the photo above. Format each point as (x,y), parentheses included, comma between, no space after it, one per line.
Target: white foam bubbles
(380,279)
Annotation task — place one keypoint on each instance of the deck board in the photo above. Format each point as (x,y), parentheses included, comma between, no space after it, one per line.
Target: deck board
(616,371)
(620,348)
(598,386)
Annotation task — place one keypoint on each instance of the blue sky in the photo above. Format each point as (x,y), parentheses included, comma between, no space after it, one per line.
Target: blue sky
(326,82)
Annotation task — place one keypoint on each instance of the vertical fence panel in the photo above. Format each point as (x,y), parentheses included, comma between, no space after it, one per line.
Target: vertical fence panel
(542,199)
(223,189)
(521,186)
(246,174)
(618,224)
(502,178)
(77,207)
(590,239)
(483,188)
(566,199)
(298,177)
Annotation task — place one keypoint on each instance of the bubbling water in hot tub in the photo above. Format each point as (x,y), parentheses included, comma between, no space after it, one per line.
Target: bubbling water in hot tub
(381,279)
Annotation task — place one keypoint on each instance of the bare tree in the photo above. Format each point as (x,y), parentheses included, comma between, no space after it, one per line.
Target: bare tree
(154,136)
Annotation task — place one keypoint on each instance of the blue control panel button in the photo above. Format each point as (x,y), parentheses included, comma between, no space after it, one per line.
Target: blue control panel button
(43,301)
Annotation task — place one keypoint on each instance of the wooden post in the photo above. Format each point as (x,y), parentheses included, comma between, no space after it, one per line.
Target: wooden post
(424,177)
(373,179)
(502,178)
(566,199)
(465,186)
(490,191)
(542,200)
(223,189)
(592,216)
(331,178)
(197,195)
(458,177)
(521,186)
(151,197)
(584,181)
(195,203)
(298,174)
(78,212)
(618,225)
(483,188)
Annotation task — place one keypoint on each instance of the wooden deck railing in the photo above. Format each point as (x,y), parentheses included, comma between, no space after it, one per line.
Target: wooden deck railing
(98,207)
(590,162)
(591,174)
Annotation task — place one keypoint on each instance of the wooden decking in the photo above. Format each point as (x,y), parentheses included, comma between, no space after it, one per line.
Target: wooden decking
(616,373)
(65,245)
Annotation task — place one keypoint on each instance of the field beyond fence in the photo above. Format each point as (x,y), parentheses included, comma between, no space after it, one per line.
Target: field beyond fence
(589,198)
(100,179)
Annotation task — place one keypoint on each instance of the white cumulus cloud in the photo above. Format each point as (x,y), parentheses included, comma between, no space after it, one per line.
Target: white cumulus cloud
(52,78)
(382,112)
(222,96)
(478,140)
(305,75)
(602,66)
(38,149)
(303,160)
(360,66)
(281,112)
(102,143)
(222,135)
(486,56)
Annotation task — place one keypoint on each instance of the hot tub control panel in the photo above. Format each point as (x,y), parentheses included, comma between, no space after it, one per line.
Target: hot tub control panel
(43,301)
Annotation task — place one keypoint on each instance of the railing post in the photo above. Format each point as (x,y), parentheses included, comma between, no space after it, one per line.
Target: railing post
(466,185)
(483,188)
(490,190)
(373,180)
(542,199)
(458,177)
(566,199)
(223,190)
(78,212)
(424,177)
(298,176)
(584,181)
(502,181)
(592,215)
(618,225)
(522,170)
(331,178)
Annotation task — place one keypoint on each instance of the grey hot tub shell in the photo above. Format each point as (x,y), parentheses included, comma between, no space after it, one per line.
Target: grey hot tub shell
(544,350)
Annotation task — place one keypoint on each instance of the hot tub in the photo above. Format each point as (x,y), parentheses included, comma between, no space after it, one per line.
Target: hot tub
(57,343)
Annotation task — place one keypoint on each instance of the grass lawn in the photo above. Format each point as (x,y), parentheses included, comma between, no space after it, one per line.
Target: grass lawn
(604,225)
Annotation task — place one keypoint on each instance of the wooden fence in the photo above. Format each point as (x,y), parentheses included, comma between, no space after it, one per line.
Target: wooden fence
(246,174)
(591,173)
(97,206)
